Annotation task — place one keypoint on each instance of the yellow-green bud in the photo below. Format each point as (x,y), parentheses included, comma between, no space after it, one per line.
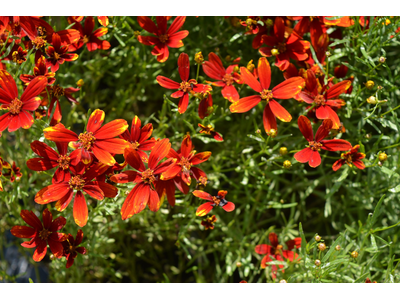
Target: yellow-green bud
(317,262)
(274,52)
(283,151)
(238,264)
(382,156)
(250,66)
(322,247)
(283,281)
(198,58)
(80,82)
(317,238)
(354,254)
(372,100)
(273,133)
(338,248)
(287,164)
(382,59)
(369,84)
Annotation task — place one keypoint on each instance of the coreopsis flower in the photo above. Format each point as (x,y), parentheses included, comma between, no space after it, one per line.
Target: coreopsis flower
(311,153)
(145,178)
(102,20)
(213,201)
(285,90)
(58,54)
(71,248)
(19,109)
(50,159)
(164,37)
(186,86)
(40,69)
(97,139)
(208,222)
(77,183)
(284,46)
(210,131)
(41,234)
(186,159)
(89,37)
(324,97)
(139,137)
(19,55)
(226,77)
(12,172)
(369,281)
(5,165)
(205,105)
(353,157)
(275,251)
(254,26)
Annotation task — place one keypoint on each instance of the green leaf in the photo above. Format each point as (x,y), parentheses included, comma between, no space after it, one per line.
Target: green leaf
(362,278)
(303,241)
(332,249)
(395,190)
(377,212)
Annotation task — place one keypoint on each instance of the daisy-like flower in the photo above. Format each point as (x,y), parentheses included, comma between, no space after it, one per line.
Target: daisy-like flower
(19,109)
(139,137)
(40,69)
(71,248)
(41,234)
(186,86)
(311,153)
(208,222)
(209,130)
(275,251)
(58,54)
(285,90)
(213,201)
(164,37)
(353,157)
(97,139)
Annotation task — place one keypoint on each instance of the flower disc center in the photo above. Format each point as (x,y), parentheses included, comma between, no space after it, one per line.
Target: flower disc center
(15,106)
(87,139)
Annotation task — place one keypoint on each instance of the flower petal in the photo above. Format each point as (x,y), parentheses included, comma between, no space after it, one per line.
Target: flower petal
(323,130)
(95,121)
(335,145)
(244,104)
(337,89)
(263,249)
(279,112)
(80,209)
(250,80)
(264,73)
(315,159)
(204,209)
(111,129)
(289,88)
(304,155)
(167,83)
(159,151)
(306,128)
(202,195)
(184,66)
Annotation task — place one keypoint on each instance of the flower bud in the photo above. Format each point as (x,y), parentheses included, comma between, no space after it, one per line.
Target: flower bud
(273,133)
(283,281)
(80,83)
(379,87)
(382,156)
(338,248)
(369,84)
(274,52)
(136,33)
(287,164)
(258,131)
(322,247)
(228,58)
(354,254)
(317,238)
(250,66)
(198,58)
(372,100)
(283,151)
(382,59)
(53,257)
(317,262)
(238,264)
(380,164)
(269,23)
(236,69)
(327,53)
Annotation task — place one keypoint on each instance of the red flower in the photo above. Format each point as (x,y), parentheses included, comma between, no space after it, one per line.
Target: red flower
(80,181)
(311,153)
(40,69)
(285,90)
(164,37)
(89,37)
(208,222)
(18,114)
(41,234)
(213,201)
(71,248)
(138,137)
(186,158)
(284,48)
(58,54)
(323,98)
(186,86)
(276,251)
(96,139)
(143,193)
(205,105)
(210,130)
(353,157)
(214,69)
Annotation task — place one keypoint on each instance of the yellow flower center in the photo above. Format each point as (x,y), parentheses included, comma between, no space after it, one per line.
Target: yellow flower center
(148,177)
(63,161)
(163,38)
(228,79)
(44,234)
(185,164)
(76,183)
(87,139)
(15,106)
(266,95)
(315,146)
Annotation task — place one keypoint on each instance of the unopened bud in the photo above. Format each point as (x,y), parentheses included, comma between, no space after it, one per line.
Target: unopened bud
(337,248)
(372,100)
(327,53)
(236,69)
(258,131)
(238,264)
(287,164)
(274,52)
(269,23)
(382,156)
(380,164)
(322,247)
(382,59)
(283,281)
(273,133)
(369,84)
(228,58)
(80,82)
(379,87)
(317,238)
(52,257)
(317,262)
(250,66)
(283,151)
(198,58)
(136,33)
(368,136)
(354,254)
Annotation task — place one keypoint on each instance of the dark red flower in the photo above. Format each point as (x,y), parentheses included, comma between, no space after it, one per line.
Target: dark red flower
(213,201)
(210,131)
(40,69)
(208,222)
(58,54)
(353,157)
(164,37)
(311,153)
(71,248)
(41,234)
(275,251)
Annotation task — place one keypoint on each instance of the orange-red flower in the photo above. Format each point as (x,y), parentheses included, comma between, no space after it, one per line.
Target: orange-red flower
(226,78)
(40,69)
(89,37)
(19,109)
(208,222)
(284,46)
(58,54)
(311,153)
(164,37)
(353,157)
(97,139)
(324,97)
(139,137)
(275,250)
(143,193)
(213,201)
(210,131)
(80,181)
(285,90)
(41,234)
(71,248)
(186,86)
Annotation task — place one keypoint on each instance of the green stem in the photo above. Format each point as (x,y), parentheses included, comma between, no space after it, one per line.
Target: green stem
(390,110)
